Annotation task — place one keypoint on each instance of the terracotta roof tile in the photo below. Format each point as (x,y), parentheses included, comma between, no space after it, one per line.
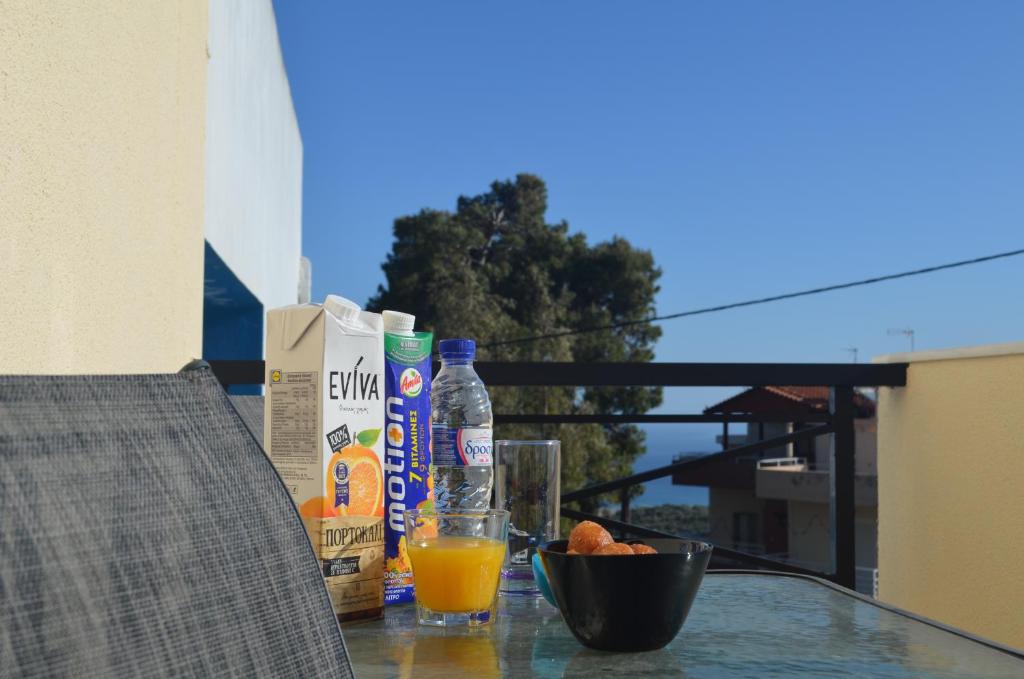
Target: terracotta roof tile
(807,399)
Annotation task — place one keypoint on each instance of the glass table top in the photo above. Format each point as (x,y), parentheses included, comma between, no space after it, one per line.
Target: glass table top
(741,625)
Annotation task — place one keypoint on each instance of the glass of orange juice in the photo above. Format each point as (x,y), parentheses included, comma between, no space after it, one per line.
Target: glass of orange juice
(456,564)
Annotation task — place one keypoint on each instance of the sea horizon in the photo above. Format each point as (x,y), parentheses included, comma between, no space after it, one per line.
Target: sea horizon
(664,442)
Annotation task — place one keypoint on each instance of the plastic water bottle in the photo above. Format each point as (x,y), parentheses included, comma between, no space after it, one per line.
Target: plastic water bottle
(463,461)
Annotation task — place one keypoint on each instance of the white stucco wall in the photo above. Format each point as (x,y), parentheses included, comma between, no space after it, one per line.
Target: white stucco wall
(101,185)
(253,152)
(950,504)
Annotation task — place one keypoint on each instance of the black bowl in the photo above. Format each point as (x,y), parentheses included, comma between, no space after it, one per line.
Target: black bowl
(626,603)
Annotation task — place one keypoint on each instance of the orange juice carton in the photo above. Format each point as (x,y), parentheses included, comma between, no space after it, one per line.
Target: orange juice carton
(407,480)
(323,421)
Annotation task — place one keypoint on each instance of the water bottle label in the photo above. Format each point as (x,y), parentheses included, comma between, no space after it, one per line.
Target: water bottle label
(474,445)
(462,446)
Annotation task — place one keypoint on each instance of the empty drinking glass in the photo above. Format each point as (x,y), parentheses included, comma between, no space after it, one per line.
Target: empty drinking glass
(526,475)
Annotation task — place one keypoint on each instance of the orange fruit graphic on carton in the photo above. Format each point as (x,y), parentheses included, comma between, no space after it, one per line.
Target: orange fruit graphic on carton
(400,566)
(317,507)
(354,484)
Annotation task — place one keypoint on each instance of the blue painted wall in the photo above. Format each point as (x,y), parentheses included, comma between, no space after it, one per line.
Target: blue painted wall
(232,318)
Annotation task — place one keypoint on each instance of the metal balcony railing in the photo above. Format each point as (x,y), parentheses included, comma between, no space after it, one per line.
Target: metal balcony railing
(838,421)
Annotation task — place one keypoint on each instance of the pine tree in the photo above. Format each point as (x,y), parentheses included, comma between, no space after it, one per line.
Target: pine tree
(494,270)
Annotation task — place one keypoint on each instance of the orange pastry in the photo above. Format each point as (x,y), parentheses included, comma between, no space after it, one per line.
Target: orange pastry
(588,536)
(643,549)
(614,549)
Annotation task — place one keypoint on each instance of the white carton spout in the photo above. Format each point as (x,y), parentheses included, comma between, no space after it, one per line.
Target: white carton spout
(341,308)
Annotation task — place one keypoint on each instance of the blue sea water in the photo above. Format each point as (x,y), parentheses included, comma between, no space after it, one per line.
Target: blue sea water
(665,441)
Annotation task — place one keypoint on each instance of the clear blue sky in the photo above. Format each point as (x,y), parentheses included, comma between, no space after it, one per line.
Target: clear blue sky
(754,147)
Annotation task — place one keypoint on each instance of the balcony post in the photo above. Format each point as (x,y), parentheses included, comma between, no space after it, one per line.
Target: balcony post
(624,512)
(841,500)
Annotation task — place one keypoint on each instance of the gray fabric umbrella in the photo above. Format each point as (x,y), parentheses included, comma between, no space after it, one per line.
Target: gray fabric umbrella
(144,532)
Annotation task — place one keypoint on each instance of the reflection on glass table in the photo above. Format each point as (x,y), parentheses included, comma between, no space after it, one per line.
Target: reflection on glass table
(741,625)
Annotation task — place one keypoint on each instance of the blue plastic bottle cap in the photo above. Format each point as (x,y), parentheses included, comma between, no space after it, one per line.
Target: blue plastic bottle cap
(459,349)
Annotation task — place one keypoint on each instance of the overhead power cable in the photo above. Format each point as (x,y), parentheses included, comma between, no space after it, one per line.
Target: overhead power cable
(754,302)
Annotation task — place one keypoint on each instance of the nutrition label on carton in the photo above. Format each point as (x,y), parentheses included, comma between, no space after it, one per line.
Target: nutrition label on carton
(293,414)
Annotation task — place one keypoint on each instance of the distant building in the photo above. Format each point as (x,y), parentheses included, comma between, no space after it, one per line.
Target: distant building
(776,503)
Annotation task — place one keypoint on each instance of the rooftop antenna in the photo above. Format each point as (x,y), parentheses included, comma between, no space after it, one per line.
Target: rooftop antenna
(853,351)
(906,332)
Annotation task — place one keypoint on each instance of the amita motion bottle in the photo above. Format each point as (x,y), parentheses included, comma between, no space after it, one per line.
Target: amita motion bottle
(408,483)
(463,462)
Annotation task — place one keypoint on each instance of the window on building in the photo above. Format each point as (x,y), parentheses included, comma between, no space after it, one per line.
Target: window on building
(744,528)
(804,448)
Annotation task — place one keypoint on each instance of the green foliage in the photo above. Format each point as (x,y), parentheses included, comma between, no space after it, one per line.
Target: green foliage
(495,270)
(689,521)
